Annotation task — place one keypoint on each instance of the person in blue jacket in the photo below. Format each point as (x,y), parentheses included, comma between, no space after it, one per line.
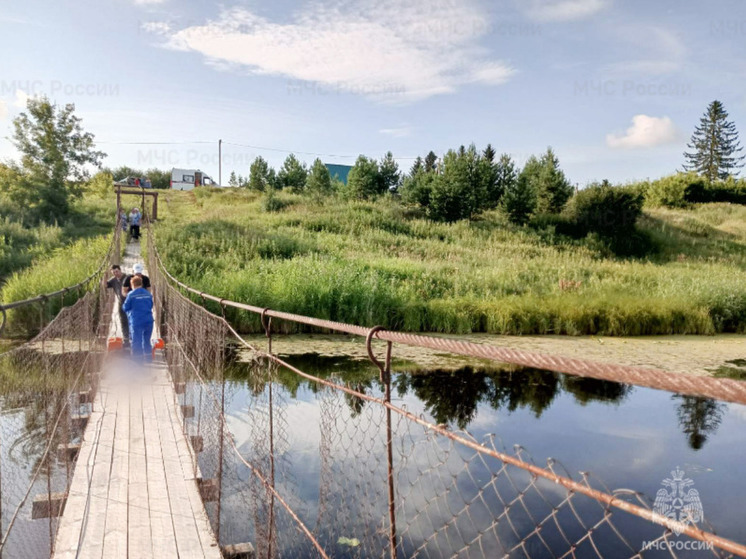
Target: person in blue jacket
(139,308)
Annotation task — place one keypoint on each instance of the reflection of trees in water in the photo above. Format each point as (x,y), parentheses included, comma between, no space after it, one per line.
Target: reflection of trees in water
(698,418)
(451,397)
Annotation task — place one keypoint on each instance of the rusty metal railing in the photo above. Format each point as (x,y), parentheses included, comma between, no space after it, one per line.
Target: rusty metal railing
(722,389)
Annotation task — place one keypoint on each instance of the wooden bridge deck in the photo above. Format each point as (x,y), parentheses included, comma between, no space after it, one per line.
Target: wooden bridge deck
(134,493)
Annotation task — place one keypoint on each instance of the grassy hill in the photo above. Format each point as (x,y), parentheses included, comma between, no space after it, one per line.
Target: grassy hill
(379,263)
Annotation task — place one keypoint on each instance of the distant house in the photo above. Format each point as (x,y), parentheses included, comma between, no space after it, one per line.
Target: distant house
(339,171)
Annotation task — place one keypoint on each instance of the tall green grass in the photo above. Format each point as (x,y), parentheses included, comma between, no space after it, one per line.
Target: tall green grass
(63,267)
(20,246)
(377,263)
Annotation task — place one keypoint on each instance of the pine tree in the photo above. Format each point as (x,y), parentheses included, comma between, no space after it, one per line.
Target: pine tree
(292,174)
(364,179)
(390,175)
(506,175)
(489,153)
(715,146)
(233,181)
(554,188)
(430,161)
(259,175)
(417,166)
(319,182)
(519,201)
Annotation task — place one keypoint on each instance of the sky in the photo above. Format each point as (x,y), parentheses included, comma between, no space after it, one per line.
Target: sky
(615,87)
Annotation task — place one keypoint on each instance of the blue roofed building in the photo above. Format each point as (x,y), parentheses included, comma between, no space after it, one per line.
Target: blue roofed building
(340,171)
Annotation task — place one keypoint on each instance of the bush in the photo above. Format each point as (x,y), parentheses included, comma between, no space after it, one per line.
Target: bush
(730,190)
(676,191)
(606,210)
(273,203)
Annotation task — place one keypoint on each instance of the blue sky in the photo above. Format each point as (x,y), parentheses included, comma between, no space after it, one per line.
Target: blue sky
(615,87)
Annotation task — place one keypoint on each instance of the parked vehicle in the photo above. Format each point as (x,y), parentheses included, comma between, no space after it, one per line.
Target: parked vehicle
(187,179)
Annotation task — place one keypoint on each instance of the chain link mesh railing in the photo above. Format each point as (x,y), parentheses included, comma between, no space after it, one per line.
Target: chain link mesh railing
(363,477)
(46,390)
(47,386)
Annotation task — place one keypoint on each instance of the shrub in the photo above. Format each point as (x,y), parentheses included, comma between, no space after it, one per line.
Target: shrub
(271,202)
(606,210)
(675,191)
(730,190)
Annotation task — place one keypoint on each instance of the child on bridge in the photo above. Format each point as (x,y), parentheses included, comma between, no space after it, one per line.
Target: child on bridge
(139,308)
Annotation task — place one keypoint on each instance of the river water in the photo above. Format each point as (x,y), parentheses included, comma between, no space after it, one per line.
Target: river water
(332,451)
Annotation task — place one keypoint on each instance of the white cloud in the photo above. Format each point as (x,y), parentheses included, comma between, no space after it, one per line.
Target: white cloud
(3,109)
(21,99)
(148,2)
(646,131)
(383,50)
(399,132)
(563,10)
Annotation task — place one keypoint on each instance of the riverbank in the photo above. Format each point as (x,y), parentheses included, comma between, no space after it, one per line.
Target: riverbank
(696,355)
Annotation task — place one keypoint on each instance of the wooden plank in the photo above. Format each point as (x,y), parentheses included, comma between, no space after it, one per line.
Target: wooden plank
(134,491)
(48,504)
(185,525)
(68,534)
(139,536)
(209,544)
(238,551)
(115,539)
(161,524)
(94,527)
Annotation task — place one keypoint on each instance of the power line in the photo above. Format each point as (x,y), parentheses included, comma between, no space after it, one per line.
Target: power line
(236,144)
(154,143)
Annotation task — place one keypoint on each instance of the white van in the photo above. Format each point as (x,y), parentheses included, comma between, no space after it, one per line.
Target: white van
(187,179)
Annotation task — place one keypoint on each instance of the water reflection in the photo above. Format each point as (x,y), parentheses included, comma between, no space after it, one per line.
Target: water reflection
(332,450)
(450,396)
(453,397)
(699,418)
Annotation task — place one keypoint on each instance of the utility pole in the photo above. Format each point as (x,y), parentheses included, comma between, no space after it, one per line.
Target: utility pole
(220,162)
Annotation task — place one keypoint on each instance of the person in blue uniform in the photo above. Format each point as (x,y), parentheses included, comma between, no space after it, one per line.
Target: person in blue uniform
(139,308)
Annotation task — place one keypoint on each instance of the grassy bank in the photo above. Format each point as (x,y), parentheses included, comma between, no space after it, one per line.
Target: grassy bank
(63,267)
(377,263)
(21,246)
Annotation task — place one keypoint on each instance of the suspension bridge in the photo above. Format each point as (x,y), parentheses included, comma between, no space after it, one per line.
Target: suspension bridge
(101,459)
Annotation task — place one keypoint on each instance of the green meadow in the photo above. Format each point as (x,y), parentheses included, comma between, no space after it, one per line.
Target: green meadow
(380,262)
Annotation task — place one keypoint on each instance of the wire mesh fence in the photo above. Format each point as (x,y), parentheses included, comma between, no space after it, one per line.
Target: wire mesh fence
(351,476)
(365,478)
(46,394)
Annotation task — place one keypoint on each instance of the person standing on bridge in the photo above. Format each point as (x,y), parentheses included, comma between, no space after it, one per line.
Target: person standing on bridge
(139,308)
(137,270)
(117,283)
(135,217)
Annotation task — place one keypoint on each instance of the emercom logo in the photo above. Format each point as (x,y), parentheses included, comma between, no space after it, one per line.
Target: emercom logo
(679,502)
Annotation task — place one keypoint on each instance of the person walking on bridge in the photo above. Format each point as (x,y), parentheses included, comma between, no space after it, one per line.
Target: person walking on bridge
(139,308)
